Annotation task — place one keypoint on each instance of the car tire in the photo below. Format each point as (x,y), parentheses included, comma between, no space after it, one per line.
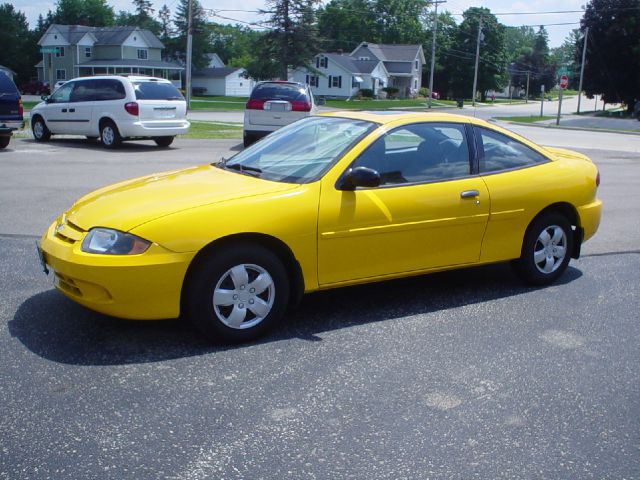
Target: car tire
(4,141)
(163,142)
(39,129)
(238,294)
(546,250)
(248,139)
(109,134)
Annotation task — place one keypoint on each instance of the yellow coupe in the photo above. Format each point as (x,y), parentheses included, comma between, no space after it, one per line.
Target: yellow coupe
(331,200)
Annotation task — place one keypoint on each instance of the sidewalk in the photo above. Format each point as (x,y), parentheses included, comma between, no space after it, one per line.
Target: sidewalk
(591,122)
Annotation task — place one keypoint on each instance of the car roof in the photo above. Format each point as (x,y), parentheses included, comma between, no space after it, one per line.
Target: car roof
(133,78)
(384,117)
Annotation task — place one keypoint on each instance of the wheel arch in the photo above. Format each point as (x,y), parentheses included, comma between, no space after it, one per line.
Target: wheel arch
(571,214)
(273,244)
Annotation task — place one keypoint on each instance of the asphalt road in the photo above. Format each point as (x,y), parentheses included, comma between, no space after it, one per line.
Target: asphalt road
(456,375)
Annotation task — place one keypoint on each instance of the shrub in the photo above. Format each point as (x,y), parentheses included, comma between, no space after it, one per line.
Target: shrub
(424,92)
(366,93)
(391,91)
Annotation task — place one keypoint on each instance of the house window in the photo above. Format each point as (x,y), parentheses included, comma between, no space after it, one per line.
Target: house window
(142,54)
(364,58)
(415,84)
(87,52)
(312,80)
(61,74)
(322,62)
(335,82)
(417,65)
(354,83)
(59,52)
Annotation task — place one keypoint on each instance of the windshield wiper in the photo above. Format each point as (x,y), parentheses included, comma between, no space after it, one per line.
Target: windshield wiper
(243,169)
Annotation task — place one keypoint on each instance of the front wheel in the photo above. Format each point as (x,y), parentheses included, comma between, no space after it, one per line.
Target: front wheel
(163,141)
(4,141)
(546,250)
(40,131)
(238,294)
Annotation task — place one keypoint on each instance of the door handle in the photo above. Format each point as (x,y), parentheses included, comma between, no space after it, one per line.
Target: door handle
(469,194)
(71,110)
(64,110)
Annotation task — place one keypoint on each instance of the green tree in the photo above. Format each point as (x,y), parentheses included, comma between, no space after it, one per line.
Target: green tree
(164,15)
(19,49)
(612,66)
(536,62)
(565,55)
(445,39)
(400,21)
(177,45)
(291,43)
(95,13)
(344,24)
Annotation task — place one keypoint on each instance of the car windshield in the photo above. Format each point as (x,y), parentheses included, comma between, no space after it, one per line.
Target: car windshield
(300,152)
(156,91)
(279,91)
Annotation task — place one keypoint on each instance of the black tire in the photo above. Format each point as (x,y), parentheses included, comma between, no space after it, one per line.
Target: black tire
(109,134)
(163,142)
(4,141)
(39,129)
(214,317)
(248,139)
(541,261)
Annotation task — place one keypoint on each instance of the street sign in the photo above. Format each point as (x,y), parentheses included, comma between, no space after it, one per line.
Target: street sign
(564,82)
(48,49)
(562,71)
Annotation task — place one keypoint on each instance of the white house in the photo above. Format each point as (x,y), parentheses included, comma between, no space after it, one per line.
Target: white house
(222,81)
(370,66)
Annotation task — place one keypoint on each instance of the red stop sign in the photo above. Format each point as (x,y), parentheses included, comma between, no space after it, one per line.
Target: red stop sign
(564,82)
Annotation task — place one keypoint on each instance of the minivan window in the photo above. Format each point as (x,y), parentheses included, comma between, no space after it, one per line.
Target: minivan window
(7,85)
(279,91)
(156,91)
(98,90)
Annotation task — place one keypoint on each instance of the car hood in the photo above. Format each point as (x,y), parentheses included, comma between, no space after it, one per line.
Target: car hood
(129,204)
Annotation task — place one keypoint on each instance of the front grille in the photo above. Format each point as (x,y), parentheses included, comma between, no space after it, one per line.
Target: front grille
(68,232)
(67,284)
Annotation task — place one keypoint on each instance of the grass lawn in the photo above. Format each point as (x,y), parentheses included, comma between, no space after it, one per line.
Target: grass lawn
(218,103)
(371,104)
(29,105)
(214,130)
(529,119)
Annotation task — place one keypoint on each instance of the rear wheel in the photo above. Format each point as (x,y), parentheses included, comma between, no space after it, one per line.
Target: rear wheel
(40,131)
(238,294)
(4,141)
(163,141)
(546,249)
(248,139)
(109,134)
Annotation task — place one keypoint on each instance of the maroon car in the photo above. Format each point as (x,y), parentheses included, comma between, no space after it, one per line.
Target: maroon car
(35,87)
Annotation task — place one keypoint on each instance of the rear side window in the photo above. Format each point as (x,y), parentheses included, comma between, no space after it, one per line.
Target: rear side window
(156,91)
(7,85)
(98,90)
(500,152)
(279,91)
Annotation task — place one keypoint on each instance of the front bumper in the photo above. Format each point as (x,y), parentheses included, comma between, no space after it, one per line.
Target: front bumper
(141,287)
(158,128)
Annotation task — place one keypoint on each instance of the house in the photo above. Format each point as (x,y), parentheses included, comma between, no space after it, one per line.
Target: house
(217,79)
(70,51)
(369,66)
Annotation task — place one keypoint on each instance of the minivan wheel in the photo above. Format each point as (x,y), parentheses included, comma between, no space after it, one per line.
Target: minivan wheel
(248,139)
(237,294)
(4,141)
(163,141)
(39,129)
(109,135)
(546,250)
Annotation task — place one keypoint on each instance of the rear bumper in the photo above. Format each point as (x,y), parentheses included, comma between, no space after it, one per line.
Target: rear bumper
(590,215)
(155,128)
(8,126)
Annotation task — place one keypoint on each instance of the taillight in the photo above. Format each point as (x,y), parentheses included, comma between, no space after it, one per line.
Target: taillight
(598,179)
(300,106)
(20,108)
(132,108)
(253,104)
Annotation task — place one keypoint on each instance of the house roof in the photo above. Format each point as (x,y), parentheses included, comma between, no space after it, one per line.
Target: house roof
(351,64)
(131,63)
(399,67)
(105,35)
(215,72)
(388,52)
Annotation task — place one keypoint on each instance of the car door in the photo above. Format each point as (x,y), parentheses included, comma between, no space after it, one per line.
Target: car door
(80,106)
(56,112)
(430,211)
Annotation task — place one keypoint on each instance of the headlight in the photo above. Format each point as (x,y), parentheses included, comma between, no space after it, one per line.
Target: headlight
(113,242)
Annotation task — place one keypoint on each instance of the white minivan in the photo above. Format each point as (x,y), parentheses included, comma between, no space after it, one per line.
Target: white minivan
(113,108)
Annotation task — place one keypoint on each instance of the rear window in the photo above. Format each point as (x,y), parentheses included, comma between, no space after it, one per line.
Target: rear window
(279,91)
(7,85)
(156,91)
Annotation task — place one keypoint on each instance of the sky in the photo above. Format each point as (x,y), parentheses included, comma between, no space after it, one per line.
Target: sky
(225,8)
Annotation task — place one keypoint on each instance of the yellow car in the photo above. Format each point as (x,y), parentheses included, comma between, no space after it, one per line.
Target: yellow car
(335,199)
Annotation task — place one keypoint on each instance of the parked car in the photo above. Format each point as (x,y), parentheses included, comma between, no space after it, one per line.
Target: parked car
(331,200)
(35,87)
(11,110)
(114,108)
(273,105)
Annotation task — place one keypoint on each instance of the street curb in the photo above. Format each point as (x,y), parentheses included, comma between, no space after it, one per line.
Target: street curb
(561,127)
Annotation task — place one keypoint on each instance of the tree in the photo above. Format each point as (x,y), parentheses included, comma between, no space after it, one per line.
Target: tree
(94,13)
(461,58)
(19,49)
(612,66)
(164,14)
(445,38)
(177,46)
(400,21)
(344,24)
(565,55)
(291,43)
(535,63)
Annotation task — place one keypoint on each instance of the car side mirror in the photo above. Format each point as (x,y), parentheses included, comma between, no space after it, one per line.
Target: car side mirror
(359,177)
(45,98)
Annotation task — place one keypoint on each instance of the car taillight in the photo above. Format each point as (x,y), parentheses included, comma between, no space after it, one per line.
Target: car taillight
(299,106)
(598,179)
(20,107)
(132,108)
(255,104)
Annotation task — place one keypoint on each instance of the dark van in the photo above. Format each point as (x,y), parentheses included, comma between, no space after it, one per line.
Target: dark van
(11,111)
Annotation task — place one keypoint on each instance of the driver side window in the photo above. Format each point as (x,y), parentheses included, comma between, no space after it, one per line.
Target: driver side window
(419,153)
(62,94)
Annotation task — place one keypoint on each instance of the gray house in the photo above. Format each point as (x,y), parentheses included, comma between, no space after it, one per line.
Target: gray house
(70,51)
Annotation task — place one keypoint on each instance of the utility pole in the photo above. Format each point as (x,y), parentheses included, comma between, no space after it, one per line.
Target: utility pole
(584,54)
(433,50)
(189,52)
(526,97)
(475,75)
